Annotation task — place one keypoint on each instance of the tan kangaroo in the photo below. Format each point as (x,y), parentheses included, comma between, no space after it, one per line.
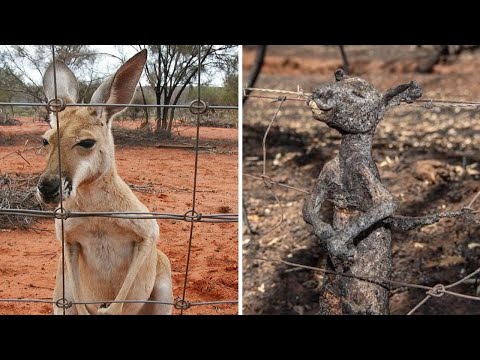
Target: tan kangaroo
(105,258)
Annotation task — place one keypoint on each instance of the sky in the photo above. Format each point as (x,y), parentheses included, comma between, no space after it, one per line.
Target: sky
(216,79)
(107,65)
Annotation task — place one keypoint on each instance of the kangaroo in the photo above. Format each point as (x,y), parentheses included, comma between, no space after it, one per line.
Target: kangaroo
(105,258)
(351,182)
(359,240)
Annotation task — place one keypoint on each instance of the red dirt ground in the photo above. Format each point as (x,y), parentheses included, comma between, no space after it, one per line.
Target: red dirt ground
(28,258)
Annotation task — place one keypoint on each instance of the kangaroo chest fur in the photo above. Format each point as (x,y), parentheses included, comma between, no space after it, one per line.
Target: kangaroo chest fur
(104,246)
(105,255)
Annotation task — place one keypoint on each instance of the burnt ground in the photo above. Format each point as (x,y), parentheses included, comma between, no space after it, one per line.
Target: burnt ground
(429,159)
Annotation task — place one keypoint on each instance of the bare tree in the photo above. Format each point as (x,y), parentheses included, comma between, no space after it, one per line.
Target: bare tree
(23,67)
(171,69)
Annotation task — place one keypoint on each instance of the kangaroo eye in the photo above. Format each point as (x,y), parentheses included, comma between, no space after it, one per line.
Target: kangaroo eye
(45,142)
(87,143)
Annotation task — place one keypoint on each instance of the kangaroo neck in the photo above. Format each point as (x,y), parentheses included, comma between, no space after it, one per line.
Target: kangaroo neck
(356,146)
(107,183)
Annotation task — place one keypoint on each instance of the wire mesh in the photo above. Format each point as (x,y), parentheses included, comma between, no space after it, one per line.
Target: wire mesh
(197,107)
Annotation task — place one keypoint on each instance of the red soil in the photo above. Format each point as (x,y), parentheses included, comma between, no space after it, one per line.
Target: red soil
(28,258)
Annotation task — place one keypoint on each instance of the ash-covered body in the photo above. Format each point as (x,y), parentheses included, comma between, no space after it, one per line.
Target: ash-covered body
(357,239)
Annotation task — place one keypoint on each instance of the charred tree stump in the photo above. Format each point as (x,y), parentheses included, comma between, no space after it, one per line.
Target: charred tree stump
(257,67)
(346,65)
(440,54)
(252,79)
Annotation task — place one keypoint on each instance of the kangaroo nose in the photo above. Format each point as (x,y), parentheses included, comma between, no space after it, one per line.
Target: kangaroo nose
(49,185)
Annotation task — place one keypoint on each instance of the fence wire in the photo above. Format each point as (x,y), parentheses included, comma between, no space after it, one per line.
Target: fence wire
(66,214)
(179,106)
(56,105)
(302,96)
(438,290)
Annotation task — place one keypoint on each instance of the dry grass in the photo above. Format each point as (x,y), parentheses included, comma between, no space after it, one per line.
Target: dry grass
(9,122)
(6,120)
(18,193)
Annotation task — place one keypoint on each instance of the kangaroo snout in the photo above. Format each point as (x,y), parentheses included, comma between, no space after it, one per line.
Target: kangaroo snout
(49,188)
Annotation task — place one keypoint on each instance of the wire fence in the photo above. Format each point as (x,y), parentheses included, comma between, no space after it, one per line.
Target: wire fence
(197,107)
(269,183)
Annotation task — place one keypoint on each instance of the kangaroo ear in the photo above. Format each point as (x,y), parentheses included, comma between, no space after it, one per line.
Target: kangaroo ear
(67,86)
(120,88)
(402,93)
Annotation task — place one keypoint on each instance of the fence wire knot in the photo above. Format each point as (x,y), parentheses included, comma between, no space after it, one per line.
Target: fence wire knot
(429,105)
(56,105)
(280,98)
(63,303)
(61,213)
(181,304)
(192,215)
(267,181)
(437,291)
(198,107)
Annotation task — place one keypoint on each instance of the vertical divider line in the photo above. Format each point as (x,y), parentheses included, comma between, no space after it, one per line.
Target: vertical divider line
(194,181)
(60,175)
(240,179)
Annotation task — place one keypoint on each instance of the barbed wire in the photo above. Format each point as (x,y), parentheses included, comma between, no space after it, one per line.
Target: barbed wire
(273,182)
(437,290)
(273,98)
(57,105)
(264,177)
(299,92)
(426,103)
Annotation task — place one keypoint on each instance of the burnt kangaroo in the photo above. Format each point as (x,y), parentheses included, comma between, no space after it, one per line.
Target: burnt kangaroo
(358,239)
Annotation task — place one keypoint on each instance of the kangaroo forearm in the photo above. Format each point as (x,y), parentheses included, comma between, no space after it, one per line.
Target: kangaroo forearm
(404,223)
(371,217)
(312,206)
(74,274)
(323,230)
(140,256)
